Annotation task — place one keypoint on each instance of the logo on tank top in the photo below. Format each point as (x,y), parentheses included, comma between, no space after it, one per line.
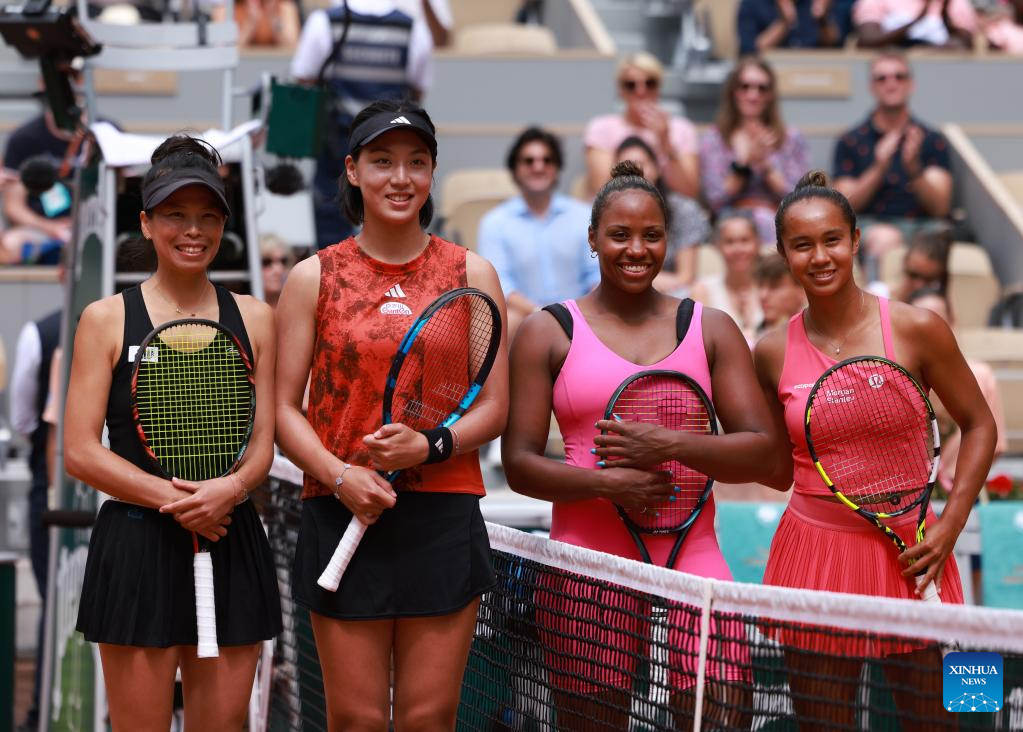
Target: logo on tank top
(798,387)
(395,308)
(395,291)
(876,380)
(152,354)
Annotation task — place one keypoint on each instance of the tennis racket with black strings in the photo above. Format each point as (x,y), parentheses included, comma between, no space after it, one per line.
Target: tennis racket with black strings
(873,437)
(193,397)
(437,373)
(674,401)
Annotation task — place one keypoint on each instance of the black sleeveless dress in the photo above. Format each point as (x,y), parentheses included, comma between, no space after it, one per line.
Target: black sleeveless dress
(138,588)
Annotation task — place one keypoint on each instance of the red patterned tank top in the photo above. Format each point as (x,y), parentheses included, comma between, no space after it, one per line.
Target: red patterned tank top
(363,311)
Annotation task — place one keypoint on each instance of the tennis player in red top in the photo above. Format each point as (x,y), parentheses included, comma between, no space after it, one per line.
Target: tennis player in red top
(414,583)
(821,544)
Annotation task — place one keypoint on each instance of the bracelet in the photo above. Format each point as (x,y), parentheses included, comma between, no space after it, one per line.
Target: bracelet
(340,479)
(240,494)
(439,442)
(457,449)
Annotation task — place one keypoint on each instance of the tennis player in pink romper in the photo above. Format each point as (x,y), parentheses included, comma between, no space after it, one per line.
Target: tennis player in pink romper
(625,326)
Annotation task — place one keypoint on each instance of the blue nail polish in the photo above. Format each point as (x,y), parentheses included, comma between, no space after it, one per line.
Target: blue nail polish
(671,498)
(616,416)
(600,464)
(593,451)
(677,489)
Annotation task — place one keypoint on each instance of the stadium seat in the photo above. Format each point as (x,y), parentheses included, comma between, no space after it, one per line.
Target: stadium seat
(474,12)
(721,18)
(709,261)
(1001,530)
(746,530)
(1010,384)
(1014,183)
(505,38)
(996,346)
(973,287)
(466,195)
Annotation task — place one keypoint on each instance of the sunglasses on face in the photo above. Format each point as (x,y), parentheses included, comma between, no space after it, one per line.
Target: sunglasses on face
(529,161)
(631,85)
(748,86)
(270,261)
(897,76)
(920,276)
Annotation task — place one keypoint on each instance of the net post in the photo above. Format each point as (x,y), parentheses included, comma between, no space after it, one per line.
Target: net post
(701,664)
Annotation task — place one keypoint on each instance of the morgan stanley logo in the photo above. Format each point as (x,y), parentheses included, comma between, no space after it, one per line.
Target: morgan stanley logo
(972,682)
(400,121)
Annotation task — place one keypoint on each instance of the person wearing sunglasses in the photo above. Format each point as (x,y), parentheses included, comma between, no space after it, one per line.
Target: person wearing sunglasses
(750,159)
(895,171)
(673,138)
(277,259)
(537,239)
(767,24)
(937,23)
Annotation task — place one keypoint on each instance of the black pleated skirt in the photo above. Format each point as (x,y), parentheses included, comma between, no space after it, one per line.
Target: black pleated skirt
(139,587)
(428,555)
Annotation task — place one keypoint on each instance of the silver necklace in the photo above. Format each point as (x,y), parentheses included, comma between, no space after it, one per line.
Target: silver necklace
(838,349)
(177,309)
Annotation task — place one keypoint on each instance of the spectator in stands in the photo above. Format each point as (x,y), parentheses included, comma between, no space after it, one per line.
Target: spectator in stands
(925,265)
(673,138)
(750,159)
(940,23)
(780,295)
(274,23)
(29,395)
(1002,25)
(687,222)
(537,240)
(767,24)
(894,170)
(437,15)
(277,259)
(735,291)
(38,166)
(386,54)
(933,299)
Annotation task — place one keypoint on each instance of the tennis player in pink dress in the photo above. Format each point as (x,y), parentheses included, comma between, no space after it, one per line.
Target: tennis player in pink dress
(820,544)
(572,363)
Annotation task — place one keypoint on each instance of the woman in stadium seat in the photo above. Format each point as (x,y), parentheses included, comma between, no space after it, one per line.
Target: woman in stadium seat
(820,544)
(137,597)
(571,359)
(672,138)
(750,158)
(412,589)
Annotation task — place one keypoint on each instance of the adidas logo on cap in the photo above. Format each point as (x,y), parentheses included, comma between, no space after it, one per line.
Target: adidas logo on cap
(400,121)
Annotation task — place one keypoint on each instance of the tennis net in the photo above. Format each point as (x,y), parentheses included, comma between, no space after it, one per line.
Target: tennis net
(571,639)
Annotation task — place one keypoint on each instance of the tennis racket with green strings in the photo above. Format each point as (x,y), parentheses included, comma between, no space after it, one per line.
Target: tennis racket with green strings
(193,399)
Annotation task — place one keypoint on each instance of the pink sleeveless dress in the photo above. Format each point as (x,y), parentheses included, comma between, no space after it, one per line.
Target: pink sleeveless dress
(821,544)
(618,625)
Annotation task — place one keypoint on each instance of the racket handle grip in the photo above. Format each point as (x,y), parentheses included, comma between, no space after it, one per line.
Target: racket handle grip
(338,563)
(205,609)
(931,593)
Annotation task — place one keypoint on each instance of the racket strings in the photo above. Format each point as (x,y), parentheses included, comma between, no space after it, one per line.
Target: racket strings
(445,359)
(668,402)
(194,397)
(872,433)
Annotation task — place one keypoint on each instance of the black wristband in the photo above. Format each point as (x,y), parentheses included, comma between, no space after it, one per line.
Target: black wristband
(440,443)
(744,170)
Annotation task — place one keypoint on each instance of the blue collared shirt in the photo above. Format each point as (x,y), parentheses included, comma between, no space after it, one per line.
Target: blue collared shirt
(546,259)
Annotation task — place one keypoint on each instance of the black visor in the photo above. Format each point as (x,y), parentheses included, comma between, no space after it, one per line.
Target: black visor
(160,189)
(382,122)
